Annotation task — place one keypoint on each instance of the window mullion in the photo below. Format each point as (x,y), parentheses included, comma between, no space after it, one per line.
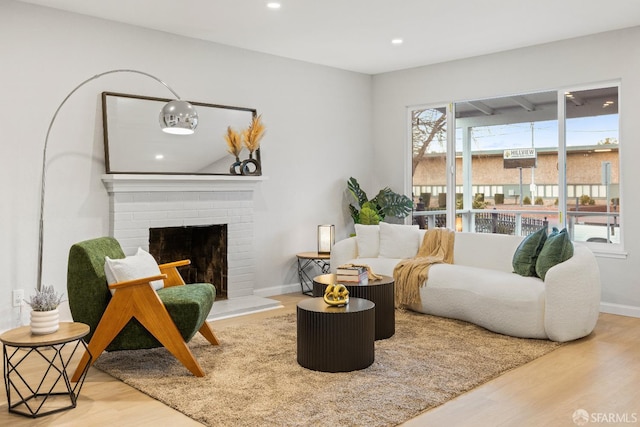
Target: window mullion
(562,159)
(451,167)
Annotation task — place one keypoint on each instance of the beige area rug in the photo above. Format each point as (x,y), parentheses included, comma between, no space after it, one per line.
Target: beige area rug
(253,378)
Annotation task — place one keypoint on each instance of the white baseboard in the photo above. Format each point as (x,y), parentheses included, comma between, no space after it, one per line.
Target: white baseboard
(278,290)
(622,310)
(223,309)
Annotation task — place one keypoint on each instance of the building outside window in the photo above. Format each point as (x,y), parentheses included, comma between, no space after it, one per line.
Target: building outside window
(522,162)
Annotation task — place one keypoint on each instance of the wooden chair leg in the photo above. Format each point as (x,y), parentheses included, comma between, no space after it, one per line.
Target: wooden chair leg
(144,304)
(116,316)
(207,331)
(153,315)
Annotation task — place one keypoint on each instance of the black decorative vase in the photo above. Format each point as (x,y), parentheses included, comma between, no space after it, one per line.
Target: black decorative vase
(250,166)
(236,167)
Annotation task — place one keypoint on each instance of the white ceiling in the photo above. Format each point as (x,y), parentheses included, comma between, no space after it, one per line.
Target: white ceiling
(356,34)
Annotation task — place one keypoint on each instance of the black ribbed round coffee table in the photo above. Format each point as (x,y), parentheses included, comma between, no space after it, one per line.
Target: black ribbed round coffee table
(335,339)
(380,292)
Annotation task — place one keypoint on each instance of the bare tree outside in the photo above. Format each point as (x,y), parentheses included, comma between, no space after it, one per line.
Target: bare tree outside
(426,126)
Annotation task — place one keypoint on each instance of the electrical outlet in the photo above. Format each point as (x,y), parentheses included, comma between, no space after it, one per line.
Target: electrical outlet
(18,296)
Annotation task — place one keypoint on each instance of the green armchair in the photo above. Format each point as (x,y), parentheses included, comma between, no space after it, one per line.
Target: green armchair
(135,316)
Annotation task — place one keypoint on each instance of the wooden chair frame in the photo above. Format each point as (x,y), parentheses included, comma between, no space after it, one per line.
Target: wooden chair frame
(137,299)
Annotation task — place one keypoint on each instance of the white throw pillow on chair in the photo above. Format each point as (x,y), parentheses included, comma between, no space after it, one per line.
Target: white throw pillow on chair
(137,266)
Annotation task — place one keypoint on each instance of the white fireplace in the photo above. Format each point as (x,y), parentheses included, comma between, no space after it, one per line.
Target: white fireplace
(140,202)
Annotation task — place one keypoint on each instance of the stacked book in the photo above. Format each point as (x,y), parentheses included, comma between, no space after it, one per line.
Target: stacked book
(352,275)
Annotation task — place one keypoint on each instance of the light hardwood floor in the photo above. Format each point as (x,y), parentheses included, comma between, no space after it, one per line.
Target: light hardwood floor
(600,374)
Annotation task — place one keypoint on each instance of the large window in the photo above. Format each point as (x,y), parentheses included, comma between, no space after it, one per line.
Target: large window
(522,162)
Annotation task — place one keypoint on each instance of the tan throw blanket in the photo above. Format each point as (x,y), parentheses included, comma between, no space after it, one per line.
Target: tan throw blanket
(410,274)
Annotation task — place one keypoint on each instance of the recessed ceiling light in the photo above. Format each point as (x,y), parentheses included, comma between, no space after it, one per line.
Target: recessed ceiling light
(396,41)
(159,156)
(273,5)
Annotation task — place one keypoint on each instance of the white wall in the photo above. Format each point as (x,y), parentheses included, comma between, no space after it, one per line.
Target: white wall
(318,134)
(320,126)
(603,57)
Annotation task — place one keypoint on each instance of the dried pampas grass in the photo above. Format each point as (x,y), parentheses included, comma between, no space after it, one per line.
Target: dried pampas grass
(253,134)
(234,141)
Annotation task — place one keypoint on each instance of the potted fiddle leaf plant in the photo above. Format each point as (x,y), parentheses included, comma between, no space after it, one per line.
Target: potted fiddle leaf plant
(385,204)
(44,310)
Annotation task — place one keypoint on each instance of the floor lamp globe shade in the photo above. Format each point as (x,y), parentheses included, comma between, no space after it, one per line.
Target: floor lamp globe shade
(178,117)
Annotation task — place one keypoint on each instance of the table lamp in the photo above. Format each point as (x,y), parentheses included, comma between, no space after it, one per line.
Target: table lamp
(326,238)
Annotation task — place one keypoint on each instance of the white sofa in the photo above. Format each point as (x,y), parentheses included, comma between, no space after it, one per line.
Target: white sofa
(480,287)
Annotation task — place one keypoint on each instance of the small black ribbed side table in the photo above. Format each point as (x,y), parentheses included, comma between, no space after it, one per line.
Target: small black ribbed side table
(380,292)
(335,339)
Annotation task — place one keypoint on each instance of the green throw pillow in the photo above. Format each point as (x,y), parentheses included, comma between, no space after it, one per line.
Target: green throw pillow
(525,256)
(558,248)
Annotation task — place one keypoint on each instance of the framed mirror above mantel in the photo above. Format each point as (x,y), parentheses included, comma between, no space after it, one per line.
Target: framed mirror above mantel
(134,143)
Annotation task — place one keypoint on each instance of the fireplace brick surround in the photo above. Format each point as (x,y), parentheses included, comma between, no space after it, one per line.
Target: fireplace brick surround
(140,202)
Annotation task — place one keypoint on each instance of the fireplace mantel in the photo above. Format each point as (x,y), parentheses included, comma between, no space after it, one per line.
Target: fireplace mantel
(139,202)
(132,183)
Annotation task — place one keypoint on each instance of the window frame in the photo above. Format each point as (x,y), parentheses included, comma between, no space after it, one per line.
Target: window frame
(613,250)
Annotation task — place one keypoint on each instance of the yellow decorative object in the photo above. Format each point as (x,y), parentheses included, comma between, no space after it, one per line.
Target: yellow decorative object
(336,295)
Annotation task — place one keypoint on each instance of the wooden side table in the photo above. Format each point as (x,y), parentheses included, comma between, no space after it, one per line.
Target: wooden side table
(305,259)
(380,292)
(335,339)
(50,392)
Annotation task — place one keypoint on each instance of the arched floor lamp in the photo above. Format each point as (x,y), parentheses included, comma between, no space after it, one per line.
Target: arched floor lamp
(176,117)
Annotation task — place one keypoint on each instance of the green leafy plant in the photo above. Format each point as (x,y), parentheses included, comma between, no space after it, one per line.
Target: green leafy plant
(526,200)
(539,201)
(385,203)
(46,299)
(479,202)
(586,200)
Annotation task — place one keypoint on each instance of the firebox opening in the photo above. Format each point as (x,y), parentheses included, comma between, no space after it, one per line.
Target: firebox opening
(205,246)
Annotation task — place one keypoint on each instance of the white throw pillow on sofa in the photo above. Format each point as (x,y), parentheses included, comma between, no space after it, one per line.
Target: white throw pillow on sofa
(399,241)
(137,266)
(368,240)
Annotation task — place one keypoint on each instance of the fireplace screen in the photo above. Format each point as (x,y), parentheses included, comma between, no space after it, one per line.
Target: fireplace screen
(205,246)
